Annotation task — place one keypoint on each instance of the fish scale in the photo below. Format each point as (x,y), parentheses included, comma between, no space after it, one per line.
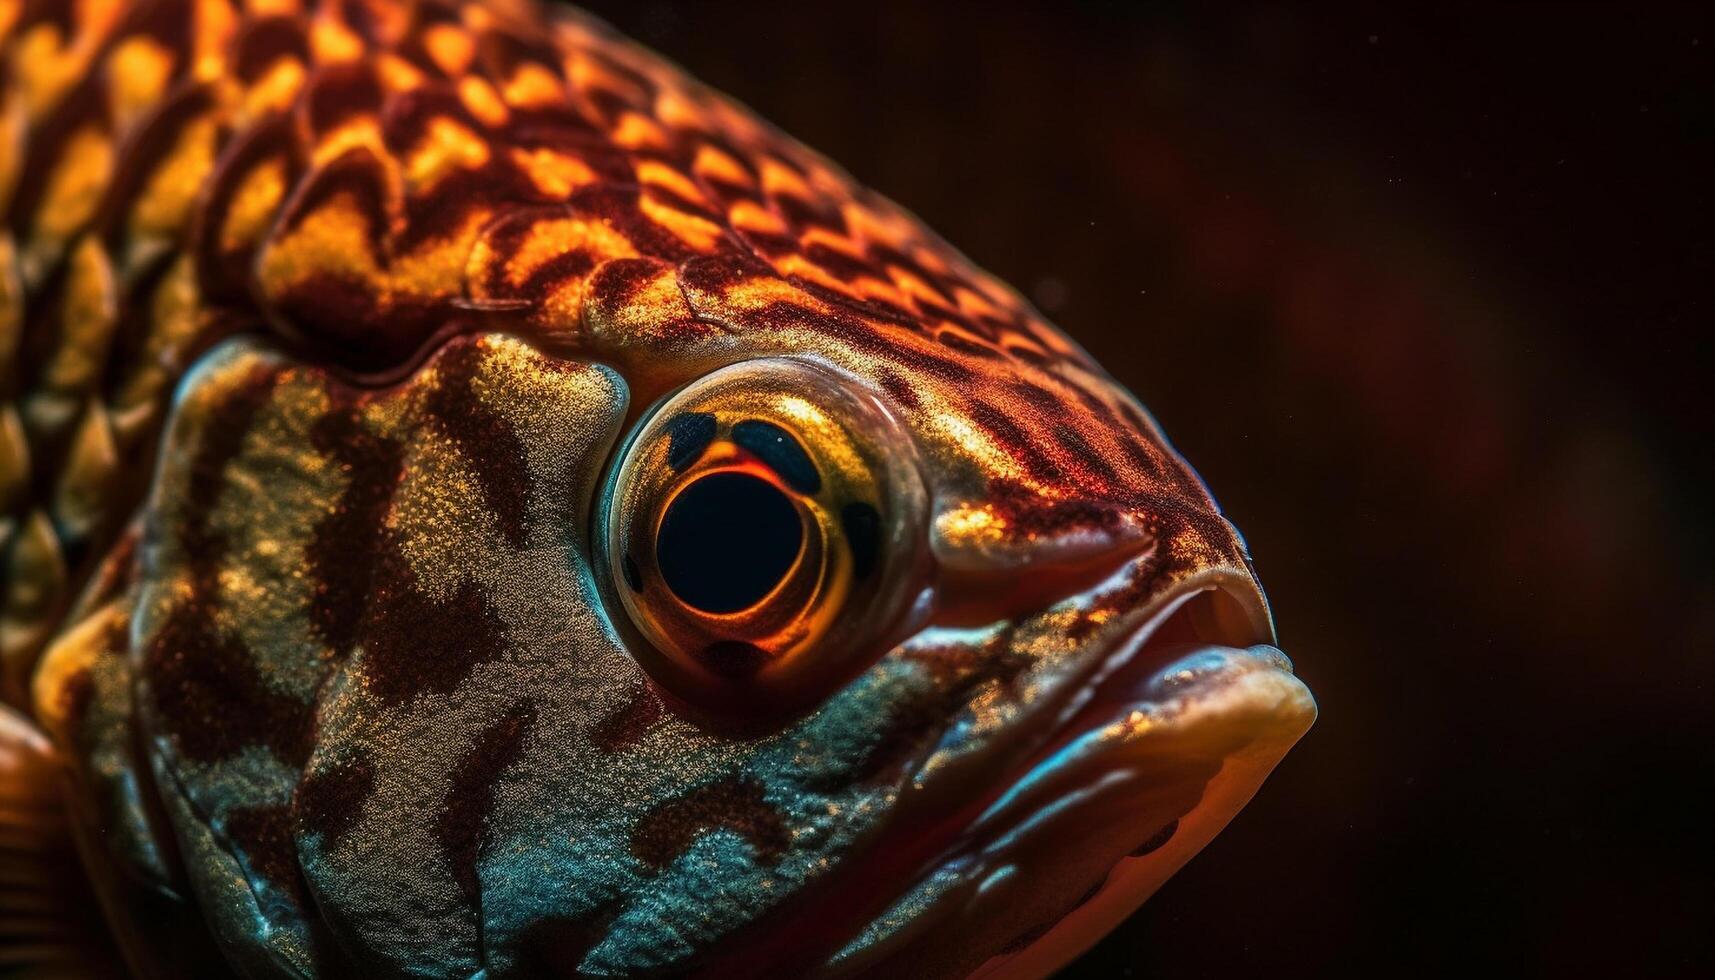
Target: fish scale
(335,175)
(318,322)
(97,307)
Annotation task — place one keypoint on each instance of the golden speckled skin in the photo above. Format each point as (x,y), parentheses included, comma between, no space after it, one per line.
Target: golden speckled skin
(433,258)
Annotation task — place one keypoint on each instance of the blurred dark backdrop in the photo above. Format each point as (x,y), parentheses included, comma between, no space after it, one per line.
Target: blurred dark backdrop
(1423,292)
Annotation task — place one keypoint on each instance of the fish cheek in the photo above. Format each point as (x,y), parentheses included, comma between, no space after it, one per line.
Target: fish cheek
(363,615)
(478,661)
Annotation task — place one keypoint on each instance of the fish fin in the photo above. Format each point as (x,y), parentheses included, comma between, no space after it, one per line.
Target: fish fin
(50,922)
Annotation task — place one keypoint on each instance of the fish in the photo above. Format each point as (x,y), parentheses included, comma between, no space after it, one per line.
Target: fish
(477,502)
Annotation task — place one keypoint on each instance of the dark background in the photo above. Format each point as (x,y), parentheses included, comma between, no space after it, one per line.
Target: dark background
(1423,292)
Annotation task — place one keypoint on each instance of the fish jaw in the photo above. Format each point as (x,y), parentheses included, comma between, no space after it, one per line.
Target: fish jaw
(1240,709)
(1164,740)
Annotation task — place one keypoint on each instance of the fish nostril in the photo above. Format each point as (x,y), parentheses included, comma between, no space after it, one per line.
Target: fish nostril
(726,541)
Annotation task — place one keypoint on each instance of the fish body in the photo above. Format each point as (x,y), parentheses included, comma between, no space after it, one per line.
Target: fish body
(478,502)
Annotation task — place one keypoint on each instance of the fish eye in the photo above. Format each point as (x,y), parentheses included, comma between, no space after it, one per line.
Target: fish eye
(763,530)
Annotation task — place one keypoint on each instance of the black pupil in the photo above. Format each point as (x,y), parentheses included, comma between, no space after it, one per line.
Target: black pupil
(726,541)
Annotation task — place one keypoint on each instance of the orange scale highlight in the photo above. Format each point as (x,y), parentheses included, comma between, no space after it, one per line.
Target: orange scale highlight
(915,287)
(674,108)
(927,258)
(868,225)
(828,238)
(654,172)
(555,174)
(779,179)
(737,127)
(397,74)
(275,91)
(588,74)
(828,183)
(793,264)
(331,42)
(975,304)
(869,287)
(638,132)
(1049,337)
(98,16)
(483,101)
(700,234)
(137,73)
(752,217)
(534,87)
(450,48)
(446,146)
(712,163)
(359,131)
(994,290)
(389,22)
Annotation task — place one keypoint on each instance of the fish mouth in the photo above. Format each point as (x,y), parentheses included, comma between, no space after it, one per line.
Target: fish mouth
(1165,734)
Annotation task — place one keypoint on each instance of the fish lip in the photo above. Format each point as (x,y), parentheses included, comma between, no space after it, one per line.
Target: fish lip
(1198,683)
(1233,713)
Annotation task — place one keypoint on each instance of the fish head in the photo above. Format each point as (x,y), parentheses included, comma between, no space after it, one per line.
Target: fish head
(1011,665)
(609,541)
(844,648)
